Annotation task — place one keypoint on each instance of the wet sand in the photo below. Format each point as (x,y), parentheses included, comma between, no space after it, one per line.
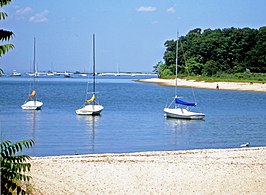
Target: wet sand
(258,87)
(215,171)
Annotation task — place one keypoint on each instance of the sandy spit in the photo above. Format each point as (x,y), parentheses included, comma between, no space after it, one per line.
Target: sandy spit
(258,87)
(214,171)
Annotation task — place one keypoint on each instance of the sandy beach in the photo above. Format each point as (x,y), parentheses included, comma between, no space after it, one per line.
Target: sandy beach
(258,87)
(215,171)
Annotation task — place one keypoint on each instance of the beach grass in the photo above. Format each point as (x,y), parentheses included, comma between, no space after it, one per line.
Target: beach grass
(237,77)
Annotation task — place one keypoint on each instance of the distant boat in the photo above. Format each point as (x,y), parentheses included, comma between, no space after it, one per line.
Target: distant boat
(83,75)
(91,107)
(15,73)
(50,74)
(117,71)
(67,75)
(178,108)
(31,74)
(36,74)
(32,103)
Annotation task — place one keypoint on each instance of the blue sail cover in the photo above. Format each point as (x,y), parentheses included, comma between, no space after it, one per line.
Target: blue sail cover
(178,101)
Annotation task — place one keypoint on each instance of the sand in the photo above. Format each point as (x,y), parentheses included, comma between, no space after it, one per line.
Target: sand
(214,171)
(258,87)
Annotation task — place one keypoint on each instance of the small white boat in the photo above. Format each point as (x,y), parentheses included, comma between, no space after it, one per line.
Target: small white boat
(178,108)
(33,74)
(83,75)
(50,74)
(15,73)
(91,107)
(32,103)
(182,113)
(30,74)
(67,75)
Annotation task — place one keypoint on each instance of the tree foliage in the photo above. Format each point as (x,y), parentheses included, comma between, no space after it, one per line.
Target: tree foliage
(210,52)
(4,2)
(1,71)
(13,166)
(5,35)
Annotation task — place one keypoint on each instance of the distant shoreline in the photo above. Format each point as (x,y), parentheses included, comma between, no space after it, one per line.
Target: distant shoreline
(237,86)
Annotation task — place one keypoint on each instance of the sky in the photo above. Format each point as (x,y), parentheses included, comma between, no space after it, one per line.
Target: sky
(130,34)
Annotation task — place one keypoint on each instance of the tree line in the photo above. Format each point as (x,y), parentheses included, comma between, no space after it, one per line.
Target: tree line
(211,52)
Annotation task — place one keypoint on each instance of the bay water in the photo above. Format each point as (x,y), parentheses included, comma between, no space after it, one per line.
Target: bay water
(132,119)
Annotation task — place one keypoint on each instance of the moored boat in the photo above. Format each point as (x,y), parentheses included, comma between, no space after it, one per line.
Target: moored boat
(91,107)
(32,103)
(178,108)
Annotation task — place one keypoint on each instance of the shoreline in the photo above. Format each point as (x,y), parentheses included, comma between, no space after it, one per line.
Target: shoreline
(237,86)
(205,171)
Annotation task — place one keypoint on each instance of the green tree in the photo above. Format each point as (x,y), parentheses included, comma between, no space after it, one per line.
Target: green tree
(157,68)
(258,53)
(5,35)
(166,73)
(169,54)
(13,166)
(210,68)
(208,52)
(193,67)
(162,70)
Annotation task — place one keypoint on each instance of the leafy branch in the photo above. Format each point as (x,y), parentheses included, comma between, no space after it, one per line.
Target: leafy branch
(13,166)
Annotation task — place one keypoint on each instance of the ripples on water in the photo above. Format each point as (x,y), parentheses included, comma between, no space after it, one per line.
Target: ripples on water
(132,119)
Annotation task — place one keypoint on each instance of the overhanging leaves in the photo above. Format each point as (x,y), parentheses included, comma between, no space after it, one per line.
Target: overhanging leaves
(4,2)
(13,167)
(4,48)
(6,35)
(3,15)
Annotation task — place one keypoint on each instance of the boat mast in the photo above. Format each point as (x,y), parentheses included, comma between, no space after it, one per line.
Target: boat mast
(34,64)
(176,62)
(94,79)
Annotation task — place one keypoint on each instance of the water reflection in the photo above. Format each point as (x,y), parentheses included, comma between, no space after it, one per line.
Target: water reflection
(91,123)
(182,130)
(31,121)
(181,124)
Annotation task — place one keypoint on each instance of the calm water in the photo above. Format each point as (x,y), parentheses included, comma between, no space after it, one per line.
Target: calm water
(132,119)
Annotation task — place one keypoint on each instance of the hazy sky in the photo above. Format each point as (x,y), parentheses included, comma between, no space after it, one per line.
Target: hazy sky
(130,34)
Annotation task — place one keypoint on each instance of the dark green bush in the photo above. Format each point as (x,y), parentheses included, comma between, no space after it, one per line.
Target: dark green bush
(13,166)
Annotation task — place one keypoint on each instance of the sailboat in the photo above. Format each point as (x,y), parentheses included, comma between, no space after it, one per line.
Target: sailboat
(15,73)
(178,108)
(91,107)
(32,103)
(117,71)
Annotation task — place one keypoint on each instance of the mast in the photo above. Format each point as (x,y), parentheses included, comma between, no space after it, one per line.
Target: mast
(176,62)
(117,69)
(34,63)
(94,79)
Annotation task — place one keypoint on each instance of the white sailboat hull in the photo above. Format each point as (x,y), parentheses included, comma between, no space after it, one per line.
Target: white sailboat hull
(90,110)
(32,105)
(182,113)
